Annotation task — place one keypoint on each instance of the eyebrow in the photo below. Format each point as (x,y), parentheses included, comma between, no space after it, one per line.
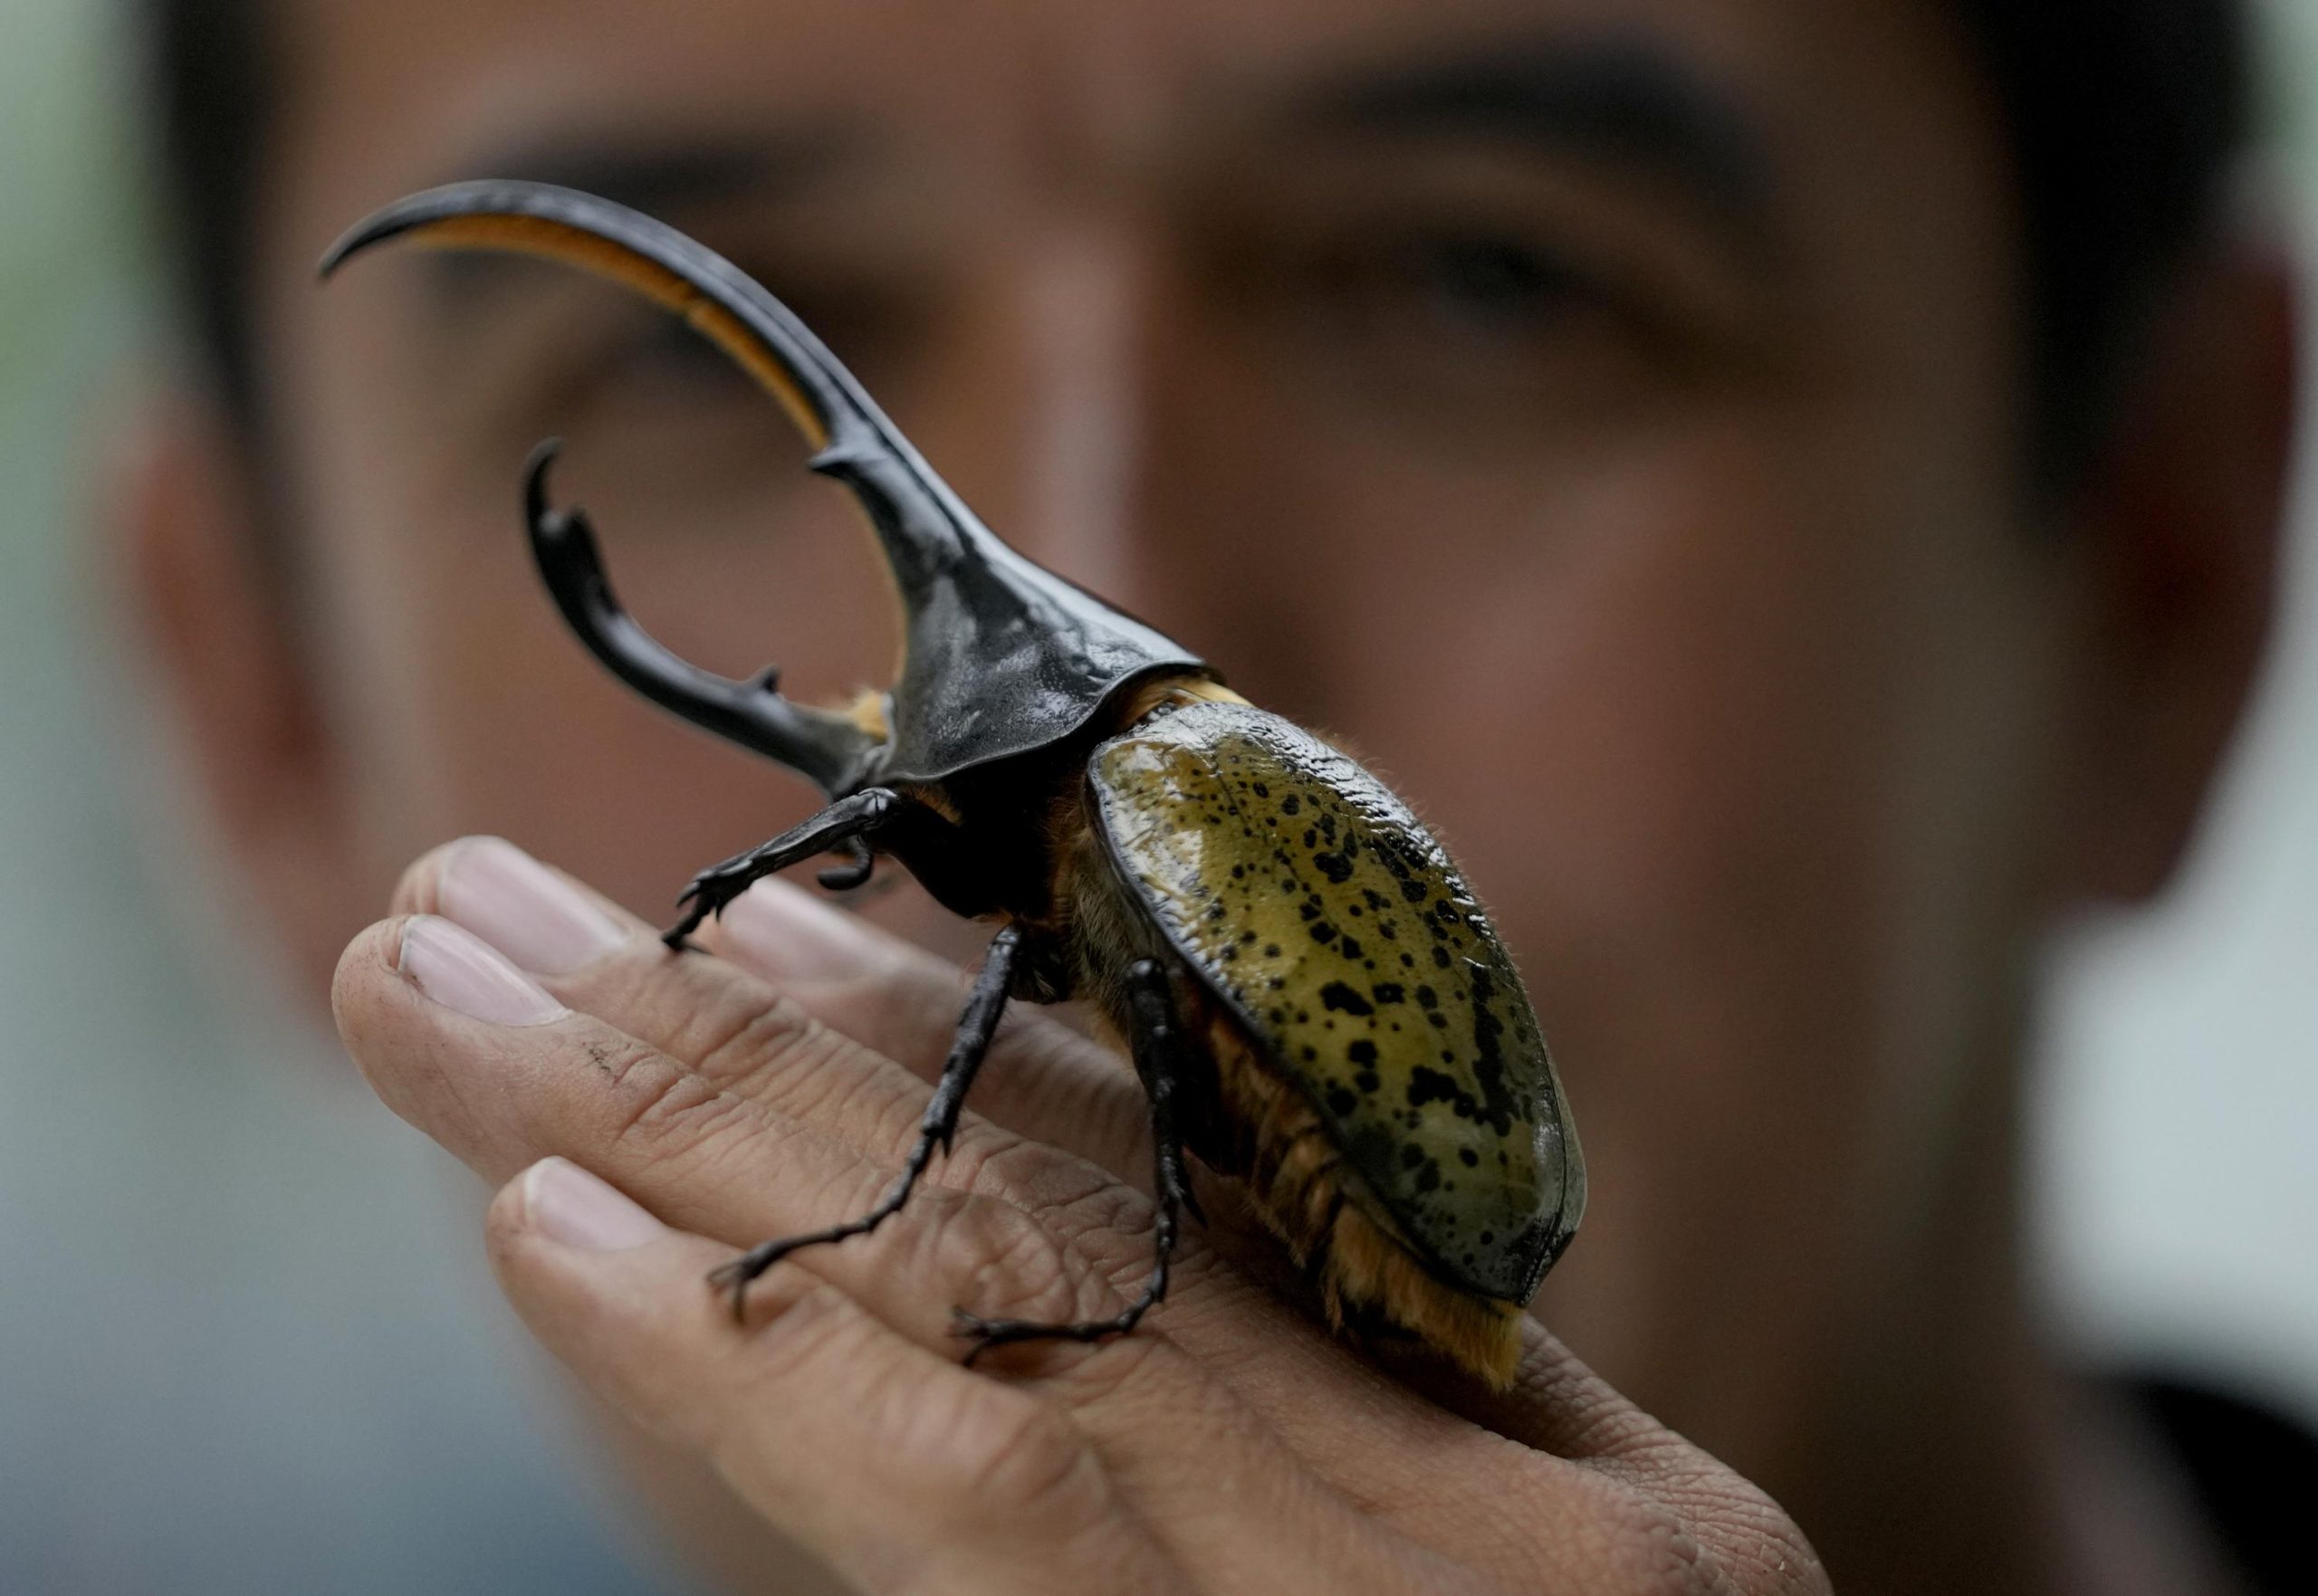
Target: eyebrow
(660,175)
(1623,101)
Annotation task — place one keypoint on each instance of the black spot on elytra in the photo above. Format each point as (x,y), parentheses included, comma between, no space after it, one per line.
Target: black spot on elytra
(1311,1054)
(1338,868)
(1368,1080)
(1468,1158)
(1440,957)
(1263,791)
(1308,911)
(1353,949)
(1489,1050)
(1271,949)
(1343,999)
(1426,997)
(1311,837)
(1342,1102)
(1291,805)
(1362,1052)
(1324,932)
(1374,899)
(1390,992)
(1430,1085)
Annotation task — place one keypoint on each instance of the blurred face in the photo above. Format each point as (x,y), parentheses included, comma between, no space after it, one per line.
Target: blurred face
(1600,412)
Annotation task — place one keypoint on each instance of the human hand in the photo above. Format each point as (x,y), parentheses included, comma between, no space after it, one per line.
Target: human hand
(1230,1444)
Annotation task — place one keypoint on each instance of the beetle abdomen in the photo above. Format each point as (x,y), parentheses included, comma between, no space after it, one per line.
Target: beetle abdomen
(1332,930)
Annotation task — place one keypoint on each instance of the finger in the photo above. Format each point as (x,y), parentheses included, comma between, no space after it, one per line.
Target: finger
(900,1470)
(728,1019)
(737,1033)
(1046,1080)
(469,1049)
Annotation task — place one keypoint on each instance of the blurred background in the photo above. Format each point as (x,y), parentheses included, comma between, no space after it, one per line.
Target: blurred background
(225,1291)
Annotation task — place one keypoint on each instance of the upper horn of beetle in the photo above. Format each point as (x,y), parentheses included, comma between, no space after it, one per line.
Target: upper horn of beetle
(1000,655)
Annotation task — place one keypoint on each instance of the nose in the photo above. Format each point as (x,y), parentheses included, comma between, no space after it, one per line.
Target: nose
(1080,311)
(1079,404)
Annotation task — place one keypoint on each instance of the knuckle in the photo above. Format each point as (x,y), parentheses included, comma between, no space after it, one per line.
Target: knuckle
(1008,1260)
(764,1047)
(984,1456)
(793,1324)
(1030,1463)
(657,1106)
(754,1043)
(1112,1226)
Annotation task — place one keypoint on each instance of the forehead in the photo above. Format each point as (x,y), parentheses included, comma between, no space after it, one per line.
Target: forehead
(380,97)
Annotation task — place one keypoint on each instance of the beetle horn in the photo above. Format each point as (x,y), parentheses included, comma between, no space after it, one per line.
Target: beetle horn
(1001,655)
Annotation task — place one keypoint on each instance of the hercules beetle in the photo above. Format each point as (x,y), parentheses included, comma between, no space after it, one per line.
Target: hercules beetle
(1312,998)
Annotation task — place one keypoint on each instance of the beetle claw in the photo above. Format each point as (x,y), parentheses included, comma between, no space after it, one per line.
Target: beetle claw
(734,1277)
(854,873)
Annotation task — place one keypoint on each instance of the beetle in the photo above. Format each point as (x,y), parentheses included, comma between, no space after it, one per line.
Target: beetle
(1314,1000)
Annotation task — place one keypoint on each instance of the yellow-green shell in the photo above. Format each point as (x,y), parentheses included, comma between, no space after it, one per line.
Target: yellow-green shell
(1310,899)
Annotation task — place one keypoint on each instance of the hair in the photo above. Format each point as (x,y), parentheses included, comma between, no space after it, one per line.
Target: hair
(2124,118)
(210,94)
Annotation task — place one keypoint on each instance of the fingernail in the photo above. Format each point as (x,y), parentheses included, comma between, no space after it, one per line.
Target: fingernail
(787,932)
(566,1204)
(523,908)
(468,975)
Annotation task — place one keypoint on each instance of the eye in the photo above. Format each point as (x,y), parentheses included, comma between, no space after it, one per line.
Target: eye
(1426,313)
(1496,287)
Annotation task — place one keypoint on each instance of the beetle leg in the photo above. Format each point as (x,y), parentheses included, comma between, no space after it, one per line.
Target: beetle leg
(846,824)
(936,1129)
(1158,1058)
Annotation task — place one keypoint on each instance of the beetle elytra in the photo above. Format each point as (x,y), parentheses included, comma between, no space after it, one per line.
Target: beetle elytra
(1314,1002)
